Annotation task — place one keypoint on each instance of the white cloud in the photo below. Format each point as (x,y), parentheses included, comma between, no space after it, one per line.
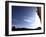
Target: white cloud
(27,20)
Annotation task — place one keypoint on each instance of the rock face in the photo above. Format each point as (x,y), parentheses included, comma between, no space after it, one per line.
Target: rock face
(16,29)
(39,12)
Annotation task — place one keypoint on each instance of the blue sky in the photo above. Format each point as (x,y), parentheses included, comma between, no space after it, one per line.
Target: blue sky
(24,17)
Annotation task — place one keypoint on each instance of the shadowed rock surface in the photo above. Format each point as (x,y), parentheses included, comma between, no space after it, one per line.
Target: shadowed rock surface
(17,29)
